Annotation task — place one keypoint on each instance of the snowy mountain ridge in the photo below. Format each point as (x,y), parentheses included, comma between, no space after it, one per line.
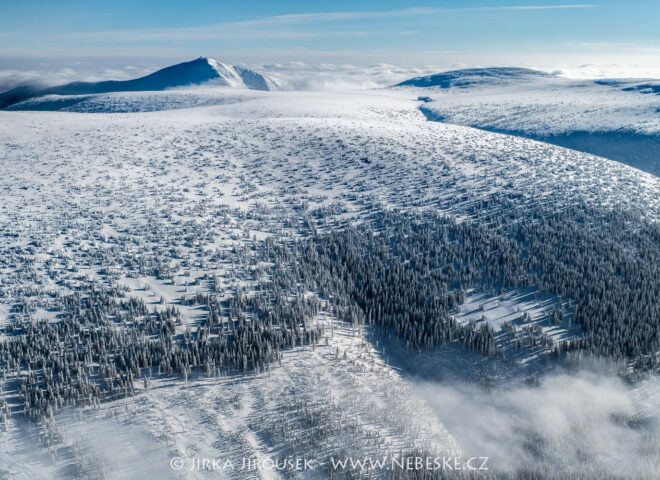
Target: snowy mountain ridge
(240,77)
(203,70)
(473,76)
(616,119)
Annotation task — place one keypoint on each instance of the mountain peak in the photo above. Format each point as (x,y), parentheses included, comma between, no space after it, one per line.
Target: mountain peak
(200,71)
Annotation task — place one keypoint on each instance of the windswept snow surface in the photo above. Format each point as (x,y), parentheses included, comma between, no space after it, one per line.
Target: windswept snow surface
(127,102)
(615,119)
(192,185)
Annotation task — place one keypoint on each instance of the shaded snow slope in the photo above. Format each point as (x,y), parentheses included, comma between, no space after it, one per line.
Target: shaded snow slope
(615,119)
(196,72)
(628,85)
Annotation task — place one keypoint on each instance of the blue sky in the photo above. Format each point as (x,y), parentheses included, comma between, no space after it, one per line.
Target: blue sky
(424,32)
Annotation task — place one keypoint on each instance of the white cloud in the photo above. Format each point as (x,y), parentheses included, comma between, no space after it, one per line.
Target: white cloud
(589,71)
(56,75)
(313,74)
(586,425)
(330,76)
(284,26)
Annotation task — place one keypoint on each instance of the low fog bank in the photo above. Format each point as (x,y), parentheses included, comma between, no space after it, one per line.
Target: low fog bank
(50,75)
(293,75)
(328,76)
(112,447)
(119,449)
(590,424)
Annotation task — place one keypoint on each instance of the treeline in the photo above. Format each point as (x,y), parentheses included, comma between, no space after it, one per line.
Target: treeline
(407,273)
(404,274)
(101,344)
(609,265)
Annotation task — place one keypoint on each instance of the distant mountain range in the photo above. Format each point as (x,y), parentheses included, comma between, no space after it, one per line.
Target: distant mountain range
(196,72)
(466,77)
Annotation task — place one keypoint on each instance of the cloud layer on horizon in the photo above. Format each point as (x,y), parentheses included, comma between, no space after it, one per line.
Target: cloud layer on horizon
(299,75)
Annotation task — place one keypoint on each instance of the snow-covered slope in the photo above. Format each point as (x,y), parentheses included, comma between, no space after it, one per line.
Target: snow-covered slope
(473,76)
(105,201)
(196,72)
(615,119)
(629,85)
(125,102)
